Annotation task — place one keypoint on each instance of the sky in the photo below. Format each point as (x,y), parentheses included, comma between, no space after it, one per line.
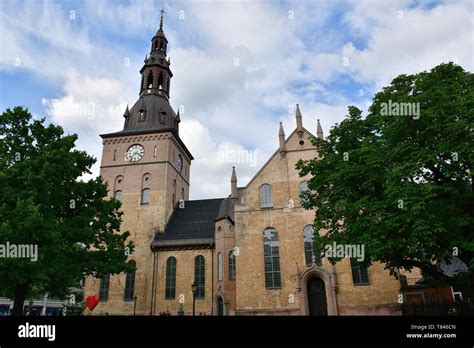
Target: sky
(239,67)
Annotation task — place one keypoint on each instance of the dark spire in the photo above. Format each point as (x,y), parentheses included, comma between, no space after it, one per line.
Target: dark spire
(127,112)
(233,185)
(319,130)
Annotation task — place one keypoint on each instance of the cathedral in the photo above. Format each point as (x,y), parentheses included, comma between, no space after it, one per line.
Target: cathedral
(249,253)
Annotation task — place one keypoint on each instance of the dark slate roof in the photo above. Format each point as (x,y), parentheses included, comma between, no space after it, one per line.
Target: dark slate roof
(226,210)
(154,106)
(160,33)
(191,225)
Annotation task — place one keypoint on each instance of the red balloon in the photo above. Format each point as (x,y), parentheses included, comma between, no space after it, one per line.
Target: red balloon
(92,302)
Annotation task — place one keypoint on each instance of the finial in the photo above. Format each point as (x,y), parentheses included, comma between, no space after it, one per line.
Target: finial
(281,132)
(281,136)
(162,11)
(127,112)
(319,130)
(299,120)
(233,185)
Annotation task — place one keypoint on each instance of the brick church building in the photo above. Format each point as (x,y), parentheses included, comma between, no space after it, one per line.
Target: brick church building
(249,253)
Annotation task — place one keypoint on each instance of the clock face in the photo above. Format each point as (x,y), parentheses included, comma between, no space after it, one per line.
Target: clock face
(179,161)
(134,153)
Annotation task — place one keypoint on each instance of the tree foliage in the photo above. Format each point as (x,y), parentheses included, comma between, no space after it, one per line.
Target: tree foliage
(43,202)
(401,185)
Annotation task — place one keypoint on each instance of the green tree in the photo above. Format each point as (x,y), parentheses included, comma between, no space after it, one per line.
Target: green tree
(402,185)
(43,203)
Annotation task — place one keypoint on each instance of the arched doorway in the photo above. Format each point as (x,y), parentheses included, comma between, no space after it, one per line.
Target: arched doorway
(317,296)
(220,306)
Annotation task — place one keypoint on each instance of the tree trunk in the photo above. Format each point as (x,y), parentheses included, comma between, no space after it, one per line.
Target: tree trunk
(20,296)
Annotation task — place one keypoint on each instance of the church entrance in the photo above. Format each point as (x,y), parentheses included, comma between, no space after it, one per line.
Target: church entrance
(220,306)
(317,297)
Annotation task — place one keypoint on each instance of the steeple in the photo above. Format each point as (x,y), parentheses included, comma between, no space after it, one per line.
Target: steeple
(319,130)
(299,121)
(156,73)
(233,185)
(152,111)
(281,136)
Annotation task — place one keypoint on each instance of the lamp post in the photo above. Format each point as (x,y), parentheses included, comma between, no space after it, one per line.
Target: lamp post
(194,289)
(135,304)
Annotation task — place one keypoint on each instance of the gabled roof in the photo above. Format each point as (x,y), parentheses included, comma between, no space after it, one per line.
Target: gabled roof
(271,158)
(191,225)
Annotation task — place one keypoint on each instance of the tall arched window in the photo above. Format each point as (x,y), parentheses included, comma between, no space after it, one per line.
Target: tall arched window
(266,196)
(145,196)
(271,253)
(130,281)
(104,288)
(170,286)
(232,272)
(308,247)
(182,193)
(160,80)
(199,275)
(149,80)
(219,267)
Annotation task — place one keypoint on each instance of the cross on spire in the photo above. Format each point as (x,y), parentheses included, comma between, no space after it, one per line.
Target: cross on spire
(162,11)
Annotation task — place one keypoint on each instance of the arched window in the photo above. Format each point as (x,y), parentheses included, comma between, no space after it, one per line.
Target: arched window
(182,193)
(118,184)
(170,286)
(271,253)
(115,155)
(219,267)
(149,80)
(360,273)
(118,195)
(232,272)
(130,281)
(168,84)
(303,188)
(174,192)
(104,288)
(308,247)
(199,276)
(160,80)
(266,196)
(145,196)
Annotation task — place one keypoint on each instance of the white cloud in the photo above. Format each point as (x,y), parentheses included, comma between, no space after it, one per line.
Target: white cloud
(90,105)
(281,61)
(409,41)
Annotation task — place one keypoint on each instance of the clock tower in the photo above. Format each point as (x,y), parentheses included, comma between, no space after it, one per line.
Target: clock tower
(147,166)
